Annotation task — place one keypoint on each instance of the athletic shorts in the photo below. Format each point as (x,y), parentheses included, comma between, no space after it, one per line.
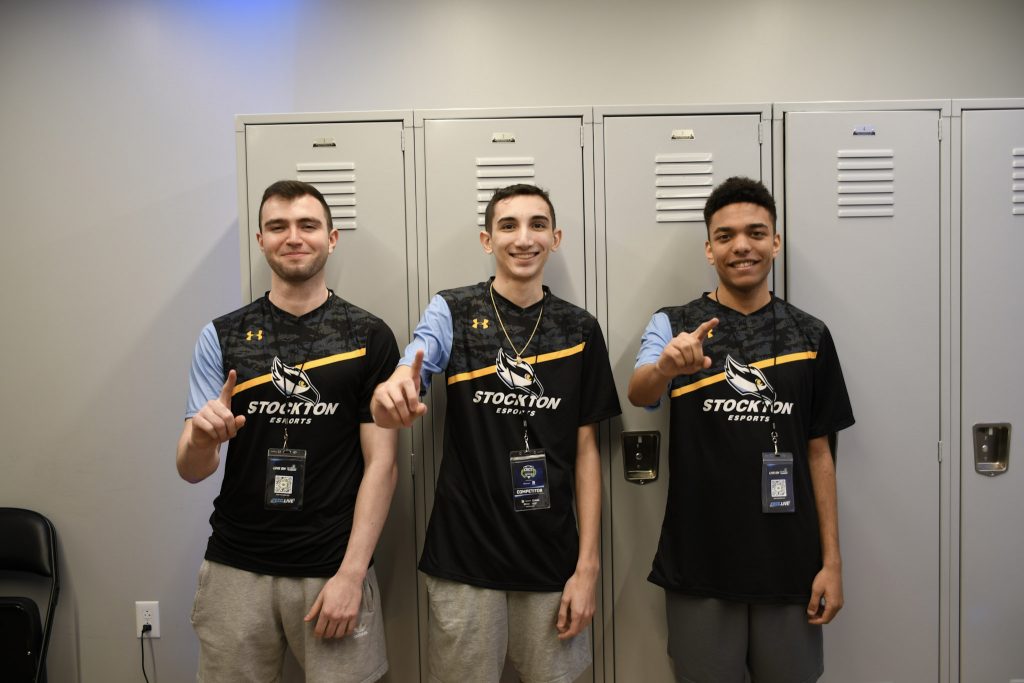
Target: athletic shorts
(244,621)
(472,629)
(719,641)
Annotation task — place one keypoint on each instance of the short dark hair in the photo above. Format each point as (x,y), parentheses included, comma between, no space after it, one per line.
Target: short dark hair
(292,190)
(516,191)
(739,190)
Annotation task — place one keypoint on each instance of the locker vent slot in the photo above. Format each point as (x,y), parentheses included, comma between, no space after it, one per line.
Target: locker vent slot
(493,173)
(866,183)
(336,181)
(1018,181)
(682,183)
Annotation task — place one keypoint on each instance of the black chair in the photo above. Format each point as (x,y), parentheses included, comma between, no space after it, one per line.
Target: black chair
(28,550)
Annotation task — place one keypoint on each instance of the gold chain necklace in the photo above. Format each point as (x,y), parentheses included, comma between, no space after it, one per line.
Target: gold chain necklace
(519,353)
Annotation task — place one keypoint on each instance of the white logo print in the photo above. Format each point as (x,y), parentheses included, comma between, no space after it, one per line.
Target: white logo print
(748,381)
(293,382)
(517,374)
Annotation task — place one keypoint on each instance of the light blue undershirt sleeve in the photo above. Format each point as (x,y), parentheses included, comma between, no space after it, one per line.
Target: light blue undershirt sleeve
(433,335)
(206,378)
(656,337)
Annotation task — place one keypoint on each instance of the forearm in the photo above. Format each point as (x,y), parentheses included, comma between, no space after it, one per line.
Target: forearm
(588,500)
(373,500)
(823,481)
(195,463)
(646,385)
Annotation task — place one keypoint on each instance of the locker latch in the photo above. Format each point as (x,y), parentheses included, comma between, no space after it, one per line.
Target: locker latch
(991,448)
(640,455)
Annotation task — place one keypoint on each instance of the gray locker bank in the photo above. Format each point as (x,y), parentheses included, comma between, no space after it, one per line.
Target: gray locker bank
(899,222)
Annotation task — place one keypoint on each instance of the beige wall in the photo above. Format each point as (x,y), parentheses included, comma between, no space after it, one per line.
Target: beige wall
(117,181)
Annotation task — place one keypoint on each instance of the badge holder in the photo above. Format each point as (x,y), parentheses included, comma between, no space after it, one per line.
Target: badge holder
(777,483)
(286,476)
(777,480)
(529,477)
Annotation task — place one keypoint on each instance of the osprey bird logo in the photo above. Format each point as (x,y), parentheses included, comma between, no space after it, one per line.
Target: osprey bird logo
(293,382)
(517,375)
(748,380)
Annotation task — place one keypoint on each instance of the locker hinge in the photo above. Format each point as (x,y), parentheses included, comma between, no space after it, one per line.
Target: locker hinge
(760,132)
(412,464)
(403,139)
(940,451)
(582,145)
(940,129)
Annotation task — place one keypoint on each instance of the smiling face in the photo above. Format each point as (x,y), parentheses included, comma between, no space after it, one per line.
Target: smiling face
(742,244)
(522,235)
(295,237)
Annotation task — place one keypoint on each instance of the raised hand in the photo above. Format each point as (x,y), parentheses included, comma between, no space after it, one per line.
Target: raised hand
(684,355)
(396,402)
(215,423)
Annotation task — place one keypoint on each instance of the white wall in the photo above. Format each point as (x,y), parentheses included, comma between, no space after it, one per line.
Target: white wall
(117,187)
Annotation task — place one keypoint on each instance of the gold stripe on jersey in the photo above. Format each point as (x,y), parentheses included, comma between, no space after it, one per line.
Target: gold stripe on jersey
(308,365)
(540,358)
(766,363)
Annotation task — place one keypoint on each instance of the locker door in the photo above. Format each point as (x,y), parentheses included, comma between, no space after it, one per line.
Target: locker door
(467,159)
(657,174)
(361,169)
(992,325)
(863,241)
(464,161)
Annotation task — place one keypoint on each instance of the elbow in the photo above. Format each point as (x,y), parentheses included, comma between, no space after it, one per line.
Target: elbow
(190,473)
(634,399)
(631,393)
(191,477)
(638,397)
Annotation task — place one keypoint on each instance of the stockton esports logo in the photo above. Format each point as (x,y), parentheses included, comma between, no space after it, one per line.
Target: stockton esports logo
(301,399)
(748,380)
(293,382)
(517,374)
(527,396)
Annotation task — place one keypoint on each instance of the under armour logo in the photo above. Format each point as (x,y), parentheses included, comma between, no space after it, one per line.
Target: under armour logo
(485,323)
(250,334)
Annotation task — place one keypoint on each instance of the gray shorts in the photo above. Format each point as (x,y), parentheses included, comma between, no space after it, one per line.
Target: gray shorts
(472,628)
(719,641)
(244,621)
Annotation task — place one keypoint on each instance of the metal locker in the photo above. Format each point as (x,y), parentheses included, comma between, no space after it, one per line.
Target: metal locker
(655,169)
(462,156)
(358,162)
(865,234)
(990,157)
(465,159)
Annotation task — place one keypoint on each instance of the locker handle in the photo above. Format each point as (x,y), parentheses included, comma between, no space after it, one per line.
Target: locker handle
(991,448)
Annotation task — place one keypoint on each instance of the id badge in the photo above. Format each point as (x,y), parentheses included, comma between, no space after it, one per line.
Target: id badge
(777,483)
(286,476)
(529,480)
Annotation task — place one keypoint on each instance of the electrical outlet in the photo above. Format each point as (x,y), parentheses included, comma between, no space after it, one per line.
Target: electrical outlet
(147,612)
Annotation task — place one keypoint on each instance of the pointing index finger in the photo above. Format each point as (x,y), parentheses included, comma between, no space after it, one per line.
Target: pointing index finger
(417,366)
(702,331)
(229,388)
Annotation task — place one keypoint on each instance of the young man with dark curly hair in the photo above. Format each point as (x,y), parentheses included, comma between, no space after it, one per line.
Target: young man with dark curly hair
(749,550)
